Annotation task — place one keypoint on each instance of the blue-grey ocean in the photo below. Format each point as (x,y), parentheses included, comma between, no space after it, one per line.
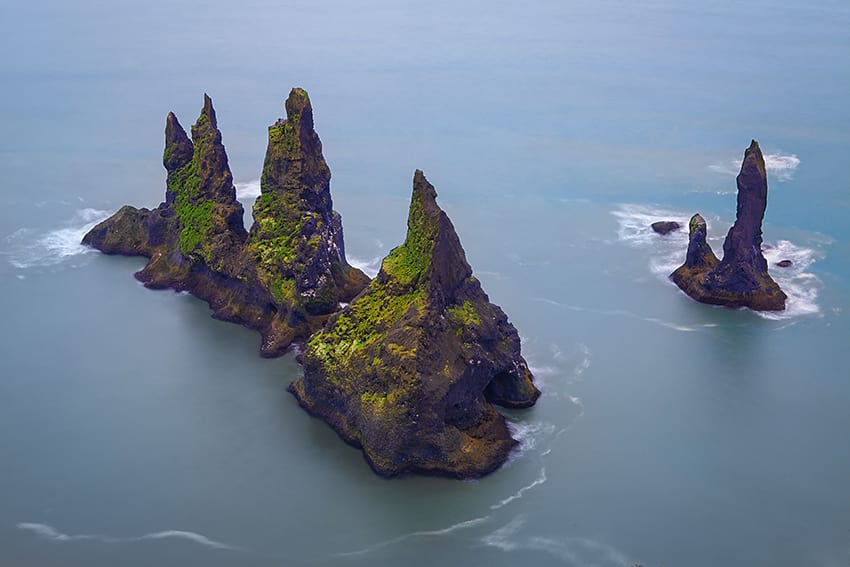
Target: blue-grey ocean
(135,430)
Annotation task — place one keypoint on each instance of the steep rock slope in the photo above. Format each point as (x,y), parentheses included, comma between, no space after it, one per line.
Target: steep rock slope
(410,370)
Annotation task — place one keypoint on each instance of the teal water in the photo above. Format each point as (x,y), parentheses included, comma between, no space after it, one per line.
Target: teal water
(136,430)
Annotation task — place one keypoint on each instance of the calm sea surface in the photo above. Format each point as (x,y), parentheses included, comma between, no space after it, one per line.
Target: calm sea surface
(135,430)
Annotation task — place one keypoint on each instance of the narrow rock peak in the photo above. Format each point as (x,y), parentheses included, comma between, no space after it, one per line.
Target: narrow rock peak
(298,108)
(753,161)
(425,195)
(209,111)
(178,146)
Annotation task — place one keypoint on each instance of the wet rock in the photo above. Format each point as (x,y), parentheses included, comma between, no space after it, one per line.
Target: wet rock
(665,227)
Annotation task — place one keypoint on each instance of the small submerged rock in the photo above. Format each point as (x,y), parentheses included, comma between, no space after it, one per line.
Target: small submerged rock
(785,263)
(740,279)
(665,227)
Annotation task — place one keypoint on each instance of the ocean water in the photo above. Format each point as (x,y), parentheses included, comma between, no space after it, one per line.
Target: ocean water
(136,430)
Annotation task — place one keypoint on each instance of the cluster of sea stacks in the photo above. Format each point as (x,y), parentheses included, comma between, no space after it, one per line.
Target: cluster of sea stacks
(740,279)
(408,371)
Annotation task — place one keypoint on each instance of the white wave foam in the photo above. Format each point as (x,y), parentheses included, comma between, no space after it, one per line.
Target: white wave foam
(190,536)
(519,493)
(780,166)
(635,225)
(577,551)
(427,533)
(27,248)
(668,253)
(801,286)
(368,267)
(49,532)
(529,435)
(248,190)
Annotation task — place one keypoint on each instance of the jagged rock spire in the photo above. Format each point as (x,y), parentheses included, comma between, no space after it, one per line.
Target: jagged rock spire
(178,147)
(210,160)
(740,279)
(297,236)
(410,369)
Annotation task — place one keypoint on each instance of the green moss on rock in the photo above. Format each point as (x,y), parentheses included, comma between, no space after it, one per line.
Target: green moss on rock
(392,374)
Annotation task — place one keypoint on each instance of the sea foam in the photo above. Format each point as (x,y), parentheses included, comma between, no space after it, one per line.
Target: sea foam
(28,248)
(668,253)
(247,191)
(49,532)
(572,550)
(780,167)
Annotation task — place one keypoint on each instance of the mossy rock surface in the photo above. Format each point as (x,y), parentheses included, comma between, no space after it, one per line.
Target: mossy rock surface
(284,277)
(410,370)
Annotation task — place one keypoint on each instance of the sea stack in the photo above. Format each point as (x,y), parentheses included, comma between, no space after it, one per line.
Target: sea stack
(410,369)
(284,277)
(740,279)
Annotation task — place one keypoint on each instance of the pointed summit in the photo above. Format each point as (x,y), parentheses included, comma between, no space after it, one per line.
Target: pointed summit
(178,146)
(294,157)
(740,279)
(208,112)
(410,370)
(299,110)
(431,250)
(297,236)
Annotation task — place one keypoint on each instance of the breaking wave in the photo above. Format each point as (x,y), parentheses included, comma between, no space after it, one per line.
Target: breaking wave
(28,248)
(49,532)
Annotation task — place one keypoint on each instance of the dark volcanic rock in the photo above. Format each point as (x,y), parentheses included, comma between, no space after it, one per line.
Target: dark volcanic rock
(665,227)
(268,280)
(785,263)
(740,279)
(297,236)
(408,371)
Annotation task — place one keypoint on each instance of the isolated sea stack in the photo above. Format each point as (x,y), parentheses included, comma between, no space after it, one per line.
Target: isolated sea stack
(286,276)
(740,279)
(410,369)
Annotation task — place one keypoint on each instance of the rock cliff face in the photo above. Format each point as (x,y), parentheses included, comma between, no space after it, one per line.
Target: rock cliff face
(740,279)
(409,370)
(286,276)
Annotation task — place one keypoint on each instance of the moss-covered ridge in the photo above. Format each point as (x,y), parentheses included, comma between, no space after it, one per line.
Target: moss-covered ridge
(284,278)
(410,369)
(741,278)
(296,241)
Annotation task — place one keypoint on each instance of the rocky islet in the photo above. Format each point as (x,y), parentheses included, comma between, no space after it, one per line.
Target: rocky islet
(741,278)
(408,371)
